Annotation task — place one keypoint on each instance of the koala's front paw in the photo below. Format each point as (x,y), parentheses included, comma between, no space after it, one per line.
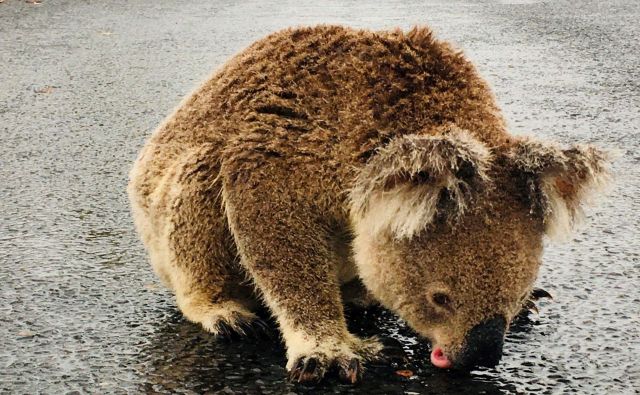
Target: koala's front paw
(312,368)
(345,360)
(309,368)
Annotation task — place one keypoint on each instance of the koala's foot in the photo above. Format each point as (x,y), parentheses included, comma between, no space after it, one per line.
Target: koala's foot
(222,318)
(312,368)
(346,361)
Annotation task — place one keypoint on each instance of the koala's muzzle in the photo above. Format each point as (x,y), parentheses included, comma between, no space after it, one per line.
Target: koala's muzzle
(483,345)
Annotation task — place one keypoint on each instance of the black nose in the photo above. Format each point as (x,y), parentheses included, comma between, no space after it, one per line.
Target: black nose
(483,344)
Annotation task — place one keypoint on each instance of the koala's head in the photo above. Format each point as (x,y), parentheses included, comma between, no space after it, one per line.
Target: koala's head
(449,233)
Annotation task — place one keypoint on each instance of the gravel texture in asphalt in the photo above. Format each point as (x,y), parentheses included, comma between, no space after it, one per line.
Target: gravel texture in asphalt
(83,83)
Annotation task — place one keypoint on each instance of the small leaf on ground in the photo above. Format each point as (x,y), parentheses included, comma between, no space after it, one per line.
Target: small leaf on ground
(404,373)
(26,333)
(46,89)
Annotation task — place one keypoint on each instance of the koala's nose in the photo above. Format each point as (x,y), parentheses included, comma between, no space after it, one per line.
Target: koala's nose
(483,344)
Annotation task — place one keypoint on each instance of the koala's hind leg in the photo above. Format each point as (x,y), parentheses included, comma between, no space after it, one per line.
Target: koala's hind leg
(284,245)
(193,248)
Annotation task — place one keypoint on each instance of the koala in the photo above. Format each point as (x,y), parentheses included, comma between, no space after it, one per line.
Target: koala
(325,165)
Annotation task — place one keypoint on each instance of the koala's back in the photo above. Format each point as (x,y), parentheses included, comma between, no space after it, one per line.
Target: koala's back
(335,91)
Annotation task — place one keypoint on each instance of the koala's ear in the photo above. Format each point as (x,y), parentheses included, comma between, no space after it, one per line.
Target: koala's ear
(405,184)
(559,182)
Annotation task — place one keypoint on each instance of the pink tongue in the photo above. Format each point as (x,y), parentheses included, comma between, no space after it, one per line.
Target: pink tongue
(438,359)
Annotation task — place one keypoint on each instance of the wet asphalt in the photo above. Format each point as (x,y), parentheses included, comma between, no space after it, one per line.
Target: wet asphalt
(83,83)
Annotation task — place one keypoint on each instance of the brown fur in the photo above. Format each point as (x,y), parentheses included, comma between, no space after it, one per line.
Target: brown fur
(416,169)
(280,156)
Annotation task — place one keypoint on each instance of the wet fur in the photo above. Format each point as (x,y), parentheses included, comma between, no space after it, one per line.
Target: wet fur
(258,186)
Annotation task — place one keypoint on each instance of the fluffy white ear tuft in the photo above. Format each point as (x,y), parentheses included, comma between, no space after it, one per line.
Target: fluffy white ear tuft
(561,181)
(408,183)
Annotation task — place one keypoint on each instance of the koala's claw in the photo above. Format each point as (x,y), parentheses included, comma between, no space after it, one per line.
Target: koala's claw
(307,370)
(240,326)
(312,370)
(351,373)
(256,329)
(539,293)
(529,305)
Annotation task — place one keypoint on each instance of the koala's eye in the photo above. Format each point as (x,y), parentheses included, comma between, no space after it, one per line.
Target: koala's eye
(441,299)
